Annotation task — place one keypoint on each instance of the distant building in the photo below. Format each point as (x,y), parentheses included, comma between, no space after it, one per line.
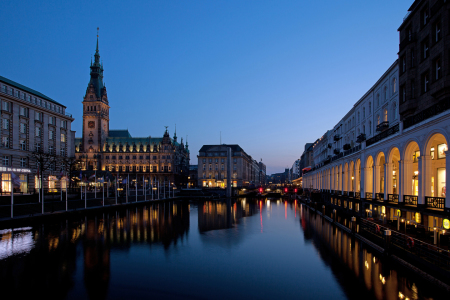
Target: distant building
(295,169)
(212,167)
(307,158)
(262,173)
(31,121)
(160,159)
(193,176)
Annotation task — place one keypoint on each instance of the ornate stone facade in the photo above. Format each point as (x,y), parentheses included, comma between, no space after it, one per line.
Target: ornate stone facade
(160,159)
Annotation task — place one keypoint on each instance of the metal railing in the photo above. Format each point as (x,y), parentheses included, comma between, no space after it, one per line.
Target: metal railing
(435,202)
(427,113)
(369,196)
(394,129)
(410,200)
(357,195)
(393,198)
(351,194)
(379,196)
(433,254)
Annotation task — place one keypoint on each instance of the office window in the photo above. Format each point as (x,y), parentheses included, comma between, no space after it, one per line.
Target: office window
(437,32)
(385,93)
(5,160)
(50,149)
(23,162)
(412,58)
(23,145)
(5,141)
(62,152)
(437,67)
(394,85)
(385,115)
(64,124)
(37,147)
(38,116)
(425,49)
(425,16)
(23,128)
(425,82)
(50,134)
(63,138)
(364,112)
(6,106)
(5,124)
(23,111)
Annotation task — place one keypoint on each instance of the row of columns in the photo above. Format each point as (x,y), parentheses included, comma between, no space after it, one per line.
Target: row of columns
(370,179)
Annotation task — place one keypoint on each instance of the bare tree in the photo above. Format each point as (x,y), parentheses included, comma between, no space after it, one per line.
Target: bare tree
(44,161)
(69,165)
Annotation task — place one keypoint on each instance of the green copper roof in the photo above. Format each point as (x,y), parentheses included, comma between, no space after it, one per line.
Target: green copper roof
(124,133)
(28,90)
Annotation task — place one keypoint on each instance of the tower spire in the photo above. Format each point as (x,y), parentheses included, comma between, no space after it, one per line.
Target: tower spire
(175,133)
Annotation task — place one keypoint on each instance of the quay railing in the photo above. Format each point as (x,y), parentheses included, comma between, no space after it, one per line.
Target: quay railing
(405,243)
(369,195)
(357,195)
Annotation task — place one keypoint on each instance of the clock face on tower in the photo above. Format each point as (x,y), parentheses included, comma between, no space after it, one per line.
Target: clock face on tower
(91,124)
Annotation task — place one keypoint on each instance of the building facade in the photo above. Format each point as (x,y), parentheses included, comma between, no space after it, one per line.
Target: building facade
(32,123)
(155,159)
(398,168)
(213,162)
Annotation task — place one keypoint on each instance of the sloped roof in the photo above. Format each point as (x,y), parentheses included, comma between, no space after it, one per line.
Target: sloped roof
(28,90)
(221,147)
(120,133)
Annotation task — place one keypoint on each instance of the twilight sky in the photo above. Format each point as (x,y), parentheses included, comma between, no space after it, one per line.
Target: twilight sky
(270,75)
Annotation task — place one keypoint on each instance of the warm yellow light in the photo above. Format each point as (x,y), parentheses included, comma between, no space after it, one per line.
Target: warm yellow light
(416,172)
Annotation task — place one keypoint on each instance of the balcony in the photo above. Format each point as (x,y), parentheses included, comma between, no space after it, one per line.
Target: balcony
(392,130)
(393,198)
(330,145)
(360,138)
(435,202)
(347,147)
(336,137)
(410,200)
(379,196)
(336,151)
(383,126)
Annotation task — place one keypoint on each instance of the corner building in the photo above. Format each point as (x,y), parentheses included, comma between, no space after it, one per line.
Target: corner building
(161,159)
(398,164)
(213,162)
(31,122)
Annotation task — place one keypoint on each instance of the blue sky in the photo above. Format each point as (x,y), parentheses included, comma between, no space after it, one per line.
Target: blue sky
(270,75)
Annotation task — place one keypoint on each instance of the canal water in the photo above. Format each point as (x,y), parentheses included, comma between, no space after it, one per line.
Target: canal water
(244,249)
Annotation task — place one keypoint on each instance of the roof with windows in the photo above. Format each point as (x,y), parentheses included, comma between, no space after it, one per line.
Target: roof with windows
(28,90)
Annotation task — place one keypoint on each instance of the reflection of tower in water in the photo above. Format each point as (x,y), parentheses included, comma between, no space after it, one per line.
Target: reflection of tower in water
(96,259)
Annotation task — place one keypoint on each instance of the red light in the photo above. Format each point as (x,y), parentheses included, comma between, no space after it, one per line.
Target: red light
(285,190)
(295,190)
(260,190)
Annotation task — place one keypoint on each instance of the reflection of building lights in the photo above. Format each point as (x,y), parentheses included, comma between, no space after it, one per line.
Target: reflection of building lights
(416,172)
(374,260)
(400,295)
(367,265)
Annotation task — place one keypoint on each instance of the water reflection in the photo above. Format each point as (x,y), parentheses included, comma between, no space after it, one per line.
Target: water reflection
(117,254)
(360,271)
